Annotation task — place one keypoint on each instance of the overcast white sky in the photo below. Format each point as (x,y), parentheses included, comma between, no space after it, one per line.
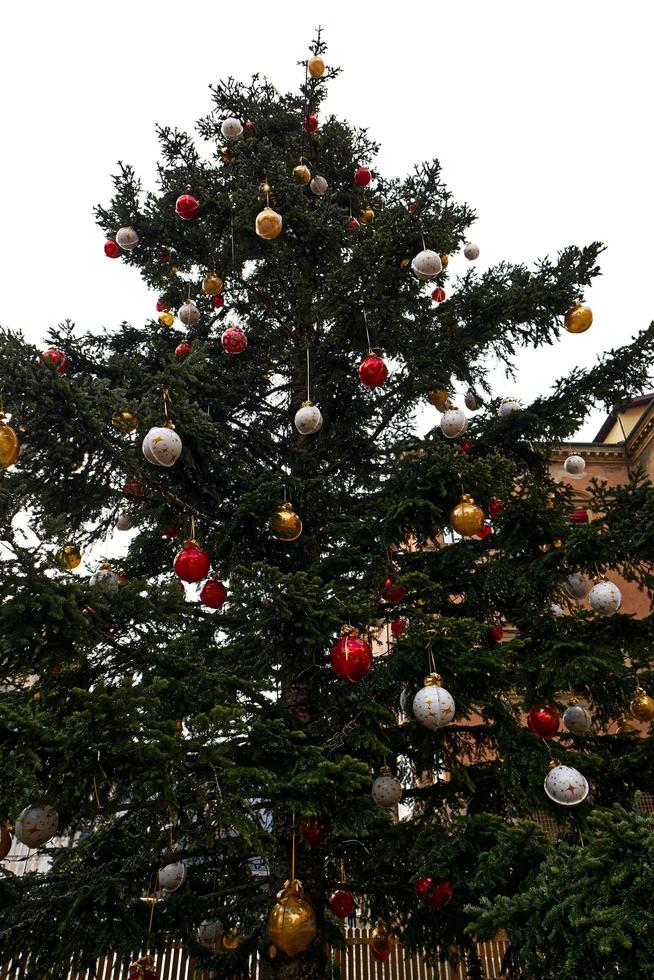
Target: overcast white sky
(539,112)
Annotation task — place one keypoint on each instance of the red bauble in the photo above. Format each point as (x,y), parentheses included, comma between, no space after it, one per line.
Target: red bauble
(183,349)
(398,626)
(362,176)
(422,886)
(55,671)
(217,301)
(164,254)
(162,305)
(111,249)
(133,491)
(372,371)
(310,124)
(382,956)
(248,126)
(171,531)
(393,592)
(234,340)
(314,830)
(213,593)
(496,634)
(191,563)
(465,446)
(580,516)
(187,206)
(353,225)
(495,508)
(351,657)
(341,902)
(413,207)
(543,720)
(438,295)
(435,894)
(484,531)
(56,358)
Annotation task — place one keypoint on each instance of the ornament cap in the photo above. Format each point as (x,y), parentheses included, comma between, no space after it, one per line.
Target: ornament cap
(573,701)
(307,404)
(433,680)
(347,630)
(385,771)
(190,543)
(554,763)
(168,424)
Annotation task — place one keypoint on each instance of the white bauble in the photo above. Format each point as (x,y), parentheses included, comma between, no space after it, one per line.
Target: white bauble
(36,825)
(210,933)
(433,706)
(566,785)
(318,185)
(574,466)
(427,264)
(106,578)
(162,446)
(308,419)
(577,586)
(127,238)
(471,251)
(453,423)
(556,609)
(231,128)
(189,314)
(472,400)
(508,407)
(576,719)
(124,522)
(386,789)
(171,876)
(605,598)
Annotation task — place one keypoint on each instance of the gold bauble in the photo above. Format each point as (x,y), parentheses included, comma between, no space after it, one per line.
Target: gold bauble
(438,398)
(381,937)
(166,319)
(444,257)
(125,421)
(578,318)
(467,518)
(292,921)
(9,445)
(268,224)
(212,284)
(316,66)
(624,728)
(302,173)
(231,940)
(642,705)
(225,154)
(366,216)
(404,263)
(285,523)
(5,841)
(69,556)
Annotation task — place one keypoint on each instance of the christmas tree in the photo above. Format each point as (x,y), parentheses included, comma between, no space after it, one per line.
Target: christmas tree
(202,720)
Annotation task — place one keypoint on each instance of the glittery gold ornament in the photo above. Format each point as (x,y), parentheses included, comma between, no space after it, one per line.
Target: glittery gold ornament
(285,523)
(69,556)
(268,224)
(578,318)
(316,66)
(301,173)
(381,937)
(642,705)
(292,920)
(212,284)
(444,259)
(226,154)
(231,940)
(366,216)
(467,518)
(125,421)
(438,398)
(9,445)
(5,841)
(166,319)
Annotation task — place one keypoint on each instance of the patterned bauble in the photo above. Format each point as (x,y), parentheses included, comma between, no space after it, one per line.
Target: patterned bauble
(341,902)
(351,655)
(191,564)
(234,340)
(69,556)
(231,128)
(508,407)
(433,706)
(162,446)
(605,598)
(213,594)
(210,932)
(56,359)
(577,586)
(212,284)
(642,705)
(314,830)
(308,419)
(189,314)
(127,238)
(576,719)
(372,370)
(187,206)
(316,66)
(466,518)
(268,224)
(285,524)
(565,785)
(578,318)
(453,423)
(318,185)
(172,876)
(292,920)
(438,295)
(574,466)
(471,251)
(427,264)
(36,825)
(386,789)
(107,579)
(543,720)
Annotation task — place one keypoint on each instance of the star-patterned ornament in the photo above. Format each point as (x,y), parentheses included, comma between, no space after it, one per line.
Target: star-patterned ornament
(386,789)
(433,706)
(565,785)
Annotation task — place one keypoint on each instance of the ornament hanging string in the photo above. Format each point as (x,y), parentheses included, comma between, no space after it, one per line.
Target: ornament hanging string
(431,663)
(342,872)
(365,320)
(308,387)
(192,527)
(293,849)
(166,396)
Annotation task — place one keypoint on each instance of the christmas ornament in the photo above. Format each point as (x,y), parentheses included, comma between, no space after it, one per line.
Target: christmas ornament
(380,957)
(381,939)
(393,592)
(433,706)
(183,349)
(362,176)
(124,522)
(36,825)
(318,185)
(579,516)
(427,264)
(398,627)
(5,841)
(143,969)
(434,894)
(248,126)
(226,154)
(642,705)
(444,257)
(111,249)
(133,491)
(308,419)
(70,556)
(484,532)
(351,656)
(372,370)
(234,340)
(316,66)
(310,124)
(217,302)
(495,508)
(605,598)
(565,785)
(213,593)
(496,634)
(576,719)
(453,423)
(352,225)
(127,239)
(285,523)
(187,206)
(232,129)
(166,319)
(56,359)
(472,400)
(125,421)
(386,789)
(466,518)
(314,830)
(543,720)
(171,876)
(577,586)
(268,224)
(212,284)
(574,466)
(232,940)
(162,446)
(292,921)
(508,407)
(438,295)
(162,305)
(367,216)
(301,173)
(106,578)
(341,902)
(471,251)
(9,445)
(171,531)
(578,318)
(556,609)
(191,564)
(189,314)
(440,400)
(210,932)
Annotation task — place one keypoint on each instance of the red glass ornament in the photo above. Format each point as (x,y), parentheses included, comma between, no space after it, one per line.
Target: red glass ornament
(362,176)
(398,626)
(56,358)
(496,634)
(543,720)
(171,531)
(439,895)
(234,340)
(310,124)
(495,508)
(162,305)
(353,225)
(341,902)
(213,593)
(393,592)
(133,490)
(372,371)
(187,206)
(412,207)
(580,516)
(484,531)
(55,671)
(217,301)
(351,657)
(111,249)
(465,446)
(164,254)
(191,563)
(183,349)
(381,956)
(438,295)
(314,830)
(248,126)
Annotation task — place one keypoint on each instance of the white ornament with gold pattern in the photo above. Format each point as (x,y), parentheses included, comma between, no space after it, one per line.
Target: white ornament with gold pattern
(386,789)
(605,598)
(426,264)
(565,785)
(308,419)
(433,706)
(162,446)
(576,719)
